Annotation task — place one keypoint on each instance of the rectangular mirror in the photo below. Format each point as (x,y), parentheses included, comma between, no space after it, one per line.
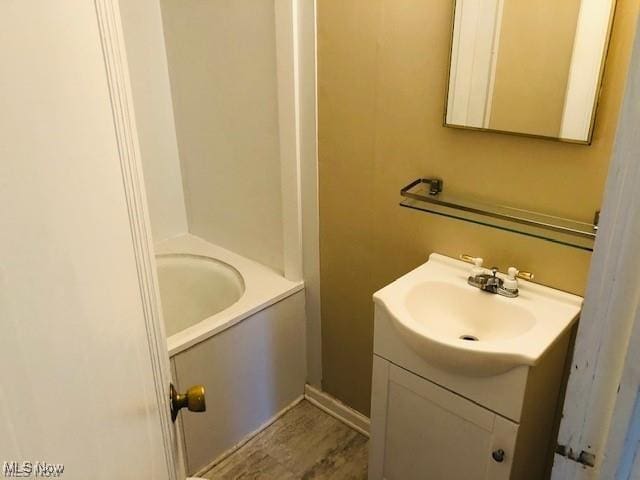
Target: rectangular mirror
(530,67)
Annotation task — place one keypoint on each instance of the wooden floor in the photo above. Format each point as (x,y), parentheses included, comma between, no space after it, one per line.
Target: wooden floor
(305,443)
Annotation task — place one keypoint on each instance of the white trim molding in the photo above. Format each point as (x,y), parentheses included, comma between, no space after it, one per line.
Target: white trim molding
(621,456)
(309,185)
(287,52)
(113,47)
(622,453)
(297,99)
(612,305)
(337,409)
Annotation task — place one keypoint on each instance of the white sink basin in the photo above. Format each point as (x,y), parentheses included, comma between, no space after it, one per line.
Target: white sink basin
(462,329)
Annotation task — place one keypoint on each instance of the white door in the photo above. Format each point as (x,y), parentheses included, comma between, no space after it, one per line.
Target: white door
(83,378)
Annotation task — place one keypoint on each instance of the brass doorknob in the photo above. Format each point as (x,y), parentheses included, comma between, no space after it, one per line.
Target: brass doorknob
(193,400)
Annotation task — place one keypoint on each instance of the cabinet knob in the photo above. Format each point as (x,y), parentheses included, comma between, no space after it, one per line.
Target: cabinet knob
(498,455)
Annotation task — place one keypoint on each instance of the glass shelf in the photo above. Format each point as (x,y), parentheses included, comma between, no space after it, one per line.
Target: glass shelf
(427,195)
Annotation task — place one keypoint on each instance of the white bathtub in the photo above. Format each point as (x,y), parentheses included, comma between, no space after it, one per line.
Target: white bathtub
(194,288)
(261,287)
(238,328)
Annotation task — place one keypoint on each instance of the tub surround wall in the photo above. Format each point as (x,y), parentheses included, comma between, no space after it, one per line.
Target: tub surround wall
(221,61)
(144,39)
(222,65)
(251,371)
(381,84)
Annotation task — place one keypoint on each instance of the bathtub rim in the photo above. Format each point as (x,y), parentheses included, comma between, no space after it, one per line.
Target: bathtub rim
(263,288)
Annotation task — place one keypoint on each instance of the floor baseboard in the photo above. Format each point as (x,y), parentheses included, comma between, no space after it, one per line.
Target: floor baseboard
(337,409)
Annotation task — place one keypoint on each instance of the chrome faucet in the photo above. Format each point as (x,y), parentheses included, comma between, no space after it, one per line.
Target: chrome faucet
(489,281)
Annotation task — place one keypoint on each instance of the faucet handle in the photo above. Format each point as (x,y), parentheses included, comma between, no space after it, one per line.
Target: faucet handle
(477,261)
(525,275)
(510,283)
(477,265)
(514,273)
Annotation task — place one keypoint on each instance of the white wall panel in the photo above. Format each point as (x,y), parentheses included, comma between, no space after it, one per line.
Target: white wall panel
(142,24)
(222,65)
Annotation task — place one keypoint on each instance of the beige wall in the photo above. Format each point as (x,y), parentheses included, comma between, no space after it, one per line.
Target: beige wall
(532,69)
(382,73)
(222,65)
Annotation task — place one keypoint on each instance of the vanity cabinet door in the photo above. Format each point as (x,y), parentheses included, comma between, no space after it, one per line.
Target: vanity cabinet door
(422,431)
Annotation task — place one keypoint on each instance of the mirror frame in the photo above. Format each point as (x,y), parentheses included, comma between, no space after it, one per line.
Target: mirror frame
(596,100)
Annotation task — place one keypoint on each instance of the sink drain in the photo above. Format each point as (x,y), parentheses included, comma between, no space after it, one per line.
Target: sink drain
(468,338)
